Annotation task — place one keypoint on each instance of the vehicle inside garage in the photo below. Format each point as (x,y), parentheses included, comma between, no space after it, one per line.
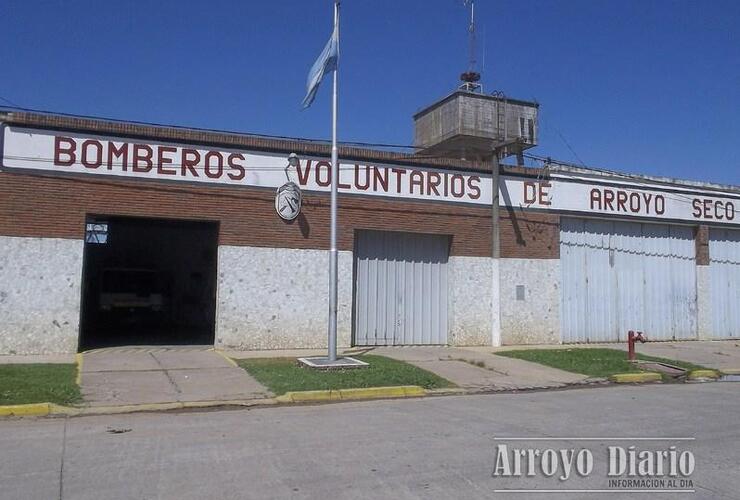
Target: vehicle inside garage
(148,282)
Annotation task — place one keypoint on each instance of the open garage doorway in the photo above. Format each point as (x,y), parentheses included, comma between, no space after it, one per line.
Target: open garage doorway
(148,282)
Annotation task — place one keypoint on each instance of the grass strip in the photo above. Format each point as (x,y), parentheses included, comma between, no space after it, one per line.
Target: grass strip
(282,375)
(593,362)
(39,383)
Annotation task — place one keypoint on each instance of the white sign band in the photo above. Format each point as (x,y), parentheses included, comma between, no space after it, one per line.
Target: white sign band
(71,153)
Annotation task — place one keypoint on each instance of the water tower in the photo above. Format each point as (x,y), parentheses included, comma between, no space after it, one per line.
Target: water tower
(470,124)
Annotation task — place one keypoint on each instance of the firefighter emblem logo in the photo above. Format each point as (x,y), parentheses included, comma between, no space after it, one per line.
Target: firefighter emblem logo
(288,201)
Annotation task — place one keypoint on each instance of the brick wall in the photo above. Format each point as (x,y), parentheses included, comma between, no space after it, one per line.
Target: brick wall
(529,235)
(55,206)
(701,239)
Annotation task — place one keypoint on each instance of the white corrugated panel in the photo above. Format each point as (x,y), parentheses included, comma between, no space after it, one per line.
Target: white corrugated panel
(619,276)
(724,274)
(400,288)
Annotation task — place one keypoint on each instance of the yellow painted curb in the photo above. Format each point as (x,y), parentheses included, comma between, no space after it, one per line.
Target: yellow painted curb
(113,410)
(404,391)
(308,396)
(241,402)
(51,409)
(70,411)
(702,374)
(29,410)
(731,371)
(78,379)
(228,359)
(630,378)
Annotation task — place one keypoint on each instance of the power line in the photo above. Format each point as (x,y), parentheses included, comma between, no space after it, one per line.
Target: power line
(105,165)
(567,144)
(546,160)
(199,129)
(9,102)
(688,199)
(681,198)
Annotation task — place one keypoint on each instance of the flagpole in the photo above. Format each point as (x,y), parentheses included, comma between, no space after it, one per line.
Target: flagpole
(333,262)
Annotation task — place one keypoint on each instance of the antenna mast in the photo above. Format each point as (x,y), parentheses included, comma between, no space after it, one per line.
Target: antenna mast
(471,78)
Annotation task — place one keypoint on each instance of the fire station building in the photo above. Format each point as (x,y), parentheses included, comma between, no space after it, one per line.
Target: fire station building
(115,233)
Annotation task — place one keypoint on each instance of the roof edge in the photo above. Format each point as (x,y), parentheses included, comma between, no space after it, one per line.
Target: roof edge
(227,139)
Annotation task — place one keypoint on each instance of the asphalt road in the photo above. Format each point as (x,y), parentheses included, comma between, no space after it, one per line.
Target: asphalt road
(443,447)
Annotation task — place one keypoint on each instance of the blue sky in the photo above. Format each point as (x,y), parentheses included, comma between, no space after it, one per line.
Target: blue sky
(639,86)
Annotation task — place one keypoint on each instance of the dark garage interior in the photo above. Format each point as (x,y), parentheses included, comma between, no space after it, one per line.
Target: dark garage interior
(148,282)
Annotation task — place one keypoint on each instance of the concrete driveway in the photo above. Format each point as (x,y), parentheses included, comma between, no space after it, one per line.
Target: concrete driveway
(139,375)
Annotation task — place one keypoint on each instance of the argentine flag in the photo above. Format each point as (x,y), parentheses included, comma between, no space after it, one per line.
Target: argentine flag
(326,62)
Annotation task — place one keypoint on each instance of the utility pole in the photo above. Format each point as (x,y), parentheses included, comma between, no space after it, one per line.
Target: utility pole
(495,248)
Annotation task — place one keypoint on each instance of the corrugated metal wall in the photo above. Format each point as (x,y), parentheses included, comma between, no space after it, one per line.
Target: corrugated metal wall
(724,273)
(619,276)
(400,288)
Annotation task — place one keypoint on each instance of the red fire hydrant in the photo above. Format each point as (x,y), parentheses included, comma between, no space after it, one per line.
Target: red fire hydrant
(632,337)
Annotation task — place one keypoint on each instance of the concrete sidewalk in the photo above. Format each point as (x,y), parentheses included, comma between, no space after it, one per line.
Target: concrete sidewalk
(474,369)
(481,369)
(135,375)
(26,359)
(153,375)
(723,355)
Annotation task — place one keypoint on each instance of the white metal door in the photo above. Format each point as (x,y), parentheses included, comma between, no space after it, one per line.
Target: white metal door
(400,288)
(619,276)
(724,275)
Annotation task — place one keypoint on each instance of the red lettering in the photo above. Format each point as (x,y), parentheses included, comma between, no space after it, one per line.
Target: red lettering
(326,166)
(621,201)
(399,173)
(647,197)
(239,169)
(69,151)
(635,202)
(709,209)
(162,160)
(473,182)
(380,179)
(459,183)
(697,208)
(717,214)
(530,192)
(416,178)
(190,160)
(433,180)
(303,174)
(120,152)
(544,193)
(98,158)
(358,185)
(219,164)
(659,204)
(595,199)
(145,157)
(608,199)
